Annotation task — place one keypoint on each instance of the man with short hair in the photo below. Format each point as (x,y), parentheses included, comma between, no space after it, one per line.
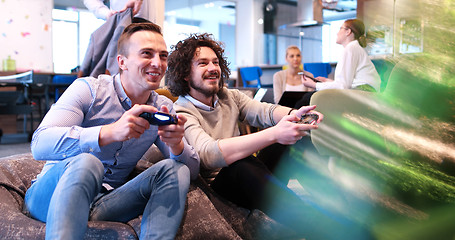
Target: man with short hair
(93,138)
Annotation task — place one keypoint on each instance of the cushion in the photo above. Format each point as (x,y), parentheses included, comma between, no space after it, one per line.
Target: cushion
(201,219)
(207,215)
(16,173)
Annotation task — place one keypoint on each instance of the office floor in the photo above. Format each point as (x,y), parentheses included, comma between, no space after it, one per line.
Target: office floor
(14,141)
(12,149)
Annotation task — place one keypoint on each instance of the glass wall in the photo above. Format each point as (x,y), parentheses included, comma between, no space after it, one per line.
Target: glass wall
(185,17)
(71,30)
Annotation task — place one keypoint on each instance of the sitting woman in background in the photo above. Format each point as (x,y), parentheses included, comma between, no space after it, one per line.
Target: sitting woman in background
(288,79)
(355,69)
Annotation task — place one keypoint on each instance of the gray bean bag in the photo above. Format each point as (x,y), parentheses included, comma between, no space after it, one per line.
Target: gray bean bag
(207,216)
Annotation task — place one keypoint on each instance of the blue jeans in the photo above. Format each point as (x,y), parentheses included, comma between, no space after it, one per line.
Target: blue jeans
(64,198)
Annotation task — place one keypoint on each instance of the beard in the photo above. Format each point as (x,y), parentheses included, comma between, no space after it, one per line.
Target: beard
(207,91)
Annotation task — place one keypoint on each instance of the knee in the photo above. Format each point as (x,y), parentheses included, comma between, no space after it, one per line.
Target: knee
(172,168)
(87,164)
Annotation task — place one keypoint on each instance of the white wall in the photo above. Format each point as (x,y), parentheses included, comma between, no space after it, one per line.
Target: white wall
(26,33)
(249,33)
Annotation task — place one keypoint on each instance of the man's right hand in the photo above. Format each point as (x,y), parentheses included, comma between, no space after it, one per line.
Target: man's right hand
(130,125)
(324,79)
(134,4)
(288,131)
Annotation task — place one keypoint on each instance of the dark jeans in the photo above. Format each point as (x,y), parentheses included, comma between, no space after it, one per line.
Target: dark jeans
(249,183)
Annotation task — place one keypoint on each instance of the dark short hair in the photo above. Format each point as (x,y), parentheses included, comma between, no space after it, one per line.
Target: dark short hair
(130,30)
(180,60)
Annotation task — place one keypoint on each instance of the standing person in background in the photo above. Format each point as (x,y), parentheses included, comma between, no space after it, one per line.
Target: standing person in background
(140,8)
(93,137)
(288,79)
(355,69)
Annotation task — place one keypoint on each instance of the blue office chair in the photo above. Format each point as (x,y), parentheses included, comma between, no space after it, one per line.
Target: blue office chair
(318,69)
(64,80)
(251,76)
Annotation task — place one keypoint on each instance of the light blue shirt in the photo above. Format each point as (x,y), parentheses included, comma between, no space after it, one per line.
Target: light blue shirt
(73,124)
(201,105)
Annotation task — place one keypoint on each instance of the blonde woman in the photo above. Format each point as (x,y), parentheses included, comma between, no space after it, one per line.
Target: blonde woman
(288,79)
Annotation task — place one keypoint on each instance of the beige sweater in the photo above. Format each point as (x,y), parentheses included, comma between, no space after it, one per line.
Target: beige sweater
(204,128)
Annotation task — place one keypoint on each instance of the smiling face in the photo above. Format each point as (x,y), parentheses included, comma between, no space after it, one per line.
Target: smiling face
(205,75)
(145,63)
(293,57)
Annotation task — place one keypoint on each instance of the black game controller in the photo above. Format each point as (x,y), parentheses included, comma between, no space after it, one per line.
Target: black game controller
(309,118)
(159,118)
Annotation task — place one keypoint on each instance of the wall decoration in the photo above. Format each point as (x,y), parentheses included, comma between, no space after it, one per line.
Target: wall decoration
(23,36)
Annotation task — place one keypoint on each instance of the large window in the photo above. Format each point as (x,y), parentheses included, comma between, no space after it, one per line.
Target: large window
(218,18)
(71,31)
(331,51)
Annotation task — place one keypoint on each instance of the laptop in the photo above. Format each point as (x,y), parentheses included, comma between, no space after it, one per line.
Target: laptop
(264,95)
(289,99)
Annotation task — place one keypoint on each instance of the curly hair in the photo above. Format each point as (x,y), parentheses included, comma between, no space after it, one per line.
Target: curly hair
(180,62)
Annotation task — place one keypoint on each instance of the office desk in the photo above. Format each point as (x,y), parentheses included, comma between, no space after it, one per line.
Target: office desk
(40,86)
(43,86)
(15,100)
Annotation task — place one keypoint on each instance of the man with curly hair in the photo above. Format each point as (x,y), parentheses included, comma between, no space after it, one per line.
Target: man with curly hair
(196,73)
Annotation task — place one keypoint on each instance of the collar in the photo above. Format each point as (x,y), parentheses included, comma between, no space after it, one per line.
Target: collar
(201,105)
(120,91)
(124,99)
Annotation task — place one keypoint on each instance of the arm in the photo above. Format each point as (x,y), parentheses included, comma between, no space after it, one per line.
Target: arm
(72,125)
(130,125)
(308,89)
(345,71)
(134,4)
(278,85)
(172,136)
(60,134)
(216,145)
(286,132)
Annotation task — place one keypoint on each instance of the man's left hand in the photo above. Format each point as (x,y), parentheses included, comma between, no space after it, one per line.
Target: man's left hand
(308,109)
(172,134)
(135,5)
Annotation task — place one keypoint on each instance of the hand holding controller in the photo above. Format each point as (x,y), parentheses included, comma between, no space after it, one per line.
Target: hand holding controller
(309,118)
(159,118)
